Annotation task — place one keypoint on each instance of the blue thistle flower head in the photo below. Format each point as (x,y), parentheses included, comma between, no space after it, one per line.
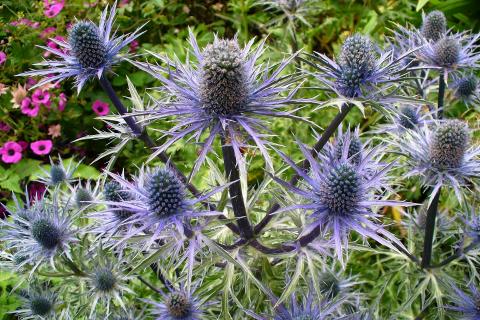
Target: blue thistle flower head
(408,117)
(60,172)
(348,144)
(37,303)
(362,72)
(341,196)
(441,153)
(434,26)
(178,304)
(467,89)
(224,92)
(150,204)
(453,52)
(90,51)
(83,197)
(467,305)
(45,233)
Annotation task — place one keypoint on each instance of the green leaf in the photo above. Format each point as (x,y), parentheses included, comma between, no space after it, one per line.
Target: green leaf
(293,282)
(421,4)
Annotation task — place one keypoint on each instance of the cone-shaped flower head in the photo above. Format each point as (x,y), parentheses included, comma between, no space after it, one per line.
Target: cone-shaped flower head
(104,279)
(341,196)
(329,285)
(355,147)
(165,193)
(449,144)
(112,192)
(178,305)
(467,89)
(37,304)
(87,45)
(224,92)
(83,197)
(442,154)
(357,63)
(46,233)
(434,26)
(447,52)
(57,174)
(90,51)
(223,86)
(408,117)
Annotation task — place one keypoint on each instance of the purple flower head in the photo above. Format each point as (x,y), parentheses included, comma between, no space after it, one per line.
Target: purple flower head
(38,232)
(467,89)
(38,303)
(453,52)
(361,72)
(434,26)
(468,305)
(441,153)
(90,51)
(225,93)
(178,304)
(154,201)
(341,194)
(402,118)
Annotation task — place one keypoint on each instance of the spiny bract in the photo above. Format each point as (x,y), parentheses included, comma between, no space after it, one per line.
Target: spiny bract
(449,143)
(354,150)
(223,88)
(46,233)
(340,190)
(87,46)
(166,194)
(447,52)
(434,26)
(178,305)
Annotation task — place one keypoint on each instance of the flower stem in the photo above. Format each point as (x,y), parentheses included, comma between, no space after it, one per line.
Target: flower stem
(458,254)
(235,189)
(430,230)
(441,94)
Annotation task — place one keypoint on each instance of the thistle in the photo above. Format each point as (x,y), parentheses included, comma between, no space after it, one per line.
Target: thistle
(467,90)
(59,172)
(178,305)
(341,197)
(83,197)
(47,233)
(441,153)
(361,72)
(467,305)
(225,93)
(434,26)
(91,51)
(37,304)
(155,199)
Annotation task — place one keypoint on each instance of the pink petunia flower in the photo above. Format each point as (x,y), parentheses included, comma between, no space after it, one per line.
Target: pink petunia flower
(3,57)
(100,108)
(41,97)
(62,101)
(41,147)
(11,152)
(28,108)
(52,7)
(4,127)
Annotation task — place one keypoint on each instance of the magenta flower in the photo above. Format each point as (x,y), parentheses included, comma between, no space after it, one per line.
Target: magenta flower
(47,32)
(41,147)
(30,83)
(26,22)
(41,97)
(3,57)
(28,108)
(4,127)
(62,101)
(11,152)
(133,47)
(52,7)
(23,144)
(36,190)
(100,108)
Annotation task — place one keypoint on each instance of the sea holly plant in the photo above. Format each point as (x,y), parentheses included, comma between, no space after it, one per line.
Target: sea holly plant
(149,244)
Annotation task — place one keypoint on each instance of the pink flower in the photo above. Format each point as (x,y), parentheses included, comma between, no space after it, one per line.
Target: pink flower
(25,22)
(36,190)
(3,57)
(4,127)
(23,144)
(11,152)
(28,108)
(123,3)
(62,101)
(52,7)
(100,108)
(47,32)
(41,97)
(133,47)
(41,147)
(52,44)
(30,83)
